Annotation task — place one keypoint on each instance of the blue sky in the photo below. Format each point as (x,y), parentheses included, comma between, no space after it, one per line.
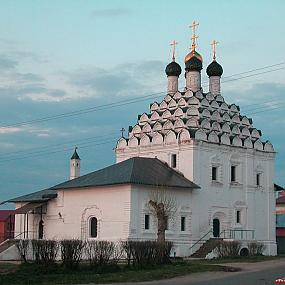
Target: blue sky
(61,56)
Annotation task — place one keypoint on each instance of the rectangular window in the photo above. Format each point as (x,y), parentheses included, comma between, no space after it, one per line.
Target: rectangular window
(167,223)
(173,161)
(214,173)
(238,217)
(258,179)
(146,222)
(183,219)
(233,173)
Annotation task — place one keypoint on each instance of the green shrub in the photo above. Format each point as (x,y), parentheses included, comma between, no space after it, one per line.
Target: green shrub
(101,253)
(45,251)
(256,248)
(71,252)
(228,248)
(143,253)
(23,247)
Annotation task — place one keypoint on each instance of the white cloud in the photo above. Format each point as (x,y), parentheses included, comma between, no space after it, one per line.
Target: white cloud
(10,130)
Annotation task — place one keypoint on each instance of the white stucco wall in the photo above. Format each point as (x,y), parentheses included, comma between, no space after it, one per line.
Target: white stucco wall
(193,80)
(141,195)
(120,209)
(68,215)
(215,85)
(172,84)
(222,199)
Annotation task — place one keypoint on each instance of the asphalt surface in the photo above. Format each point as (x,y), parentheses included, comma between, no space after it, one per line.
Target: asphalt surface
(259,273)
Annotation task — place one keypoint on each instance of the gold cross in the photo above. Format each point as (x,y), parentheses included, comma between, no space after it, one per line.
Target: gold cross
(173,44)
(194,37)
(214,47)
(122,131)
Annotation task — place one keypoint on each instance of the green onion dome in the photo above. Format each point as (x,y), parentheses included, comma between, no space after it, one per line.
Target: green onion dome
(214,69)
(173,69)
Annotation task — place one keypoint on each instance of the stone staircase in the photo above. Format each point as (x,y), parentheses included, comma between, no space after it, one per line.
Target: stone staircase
(206,248)
(6,244)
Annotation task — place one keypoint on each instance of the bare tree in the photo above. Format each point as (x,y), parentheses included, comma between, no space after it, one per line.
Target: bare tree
(163,206)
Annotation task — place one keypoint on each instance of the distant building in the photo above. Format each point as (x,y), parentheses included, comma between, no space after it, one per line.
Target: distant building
(280,220)
(7,223)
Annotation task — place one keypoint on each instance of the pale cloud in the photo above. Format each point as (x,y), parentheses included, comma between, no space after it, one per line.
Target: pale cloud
(7,63)
(10,130)
(43,135)
(43,97)
(125,80)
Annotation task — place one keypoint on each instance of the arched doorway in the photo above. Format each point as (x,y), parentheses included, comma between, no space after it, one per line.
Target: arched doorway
(41,229)
(216,228)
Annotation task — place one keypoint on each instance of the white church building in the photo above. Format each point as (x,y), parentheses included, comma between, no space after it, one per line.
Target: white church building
(201,150)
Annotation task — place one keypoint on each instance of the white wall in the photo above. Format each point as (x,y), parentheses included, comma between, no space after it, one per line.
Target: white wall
(141,195)
(222,199)
(68,215)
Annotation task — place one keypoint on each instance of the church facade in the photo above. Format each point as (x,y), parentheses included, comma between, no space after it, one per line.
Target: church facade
(201,150)
(216,147)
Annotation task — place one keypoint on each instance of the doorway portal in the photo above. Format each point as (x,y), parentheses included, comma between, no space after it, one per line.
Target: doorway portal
(216,228)
(41,229)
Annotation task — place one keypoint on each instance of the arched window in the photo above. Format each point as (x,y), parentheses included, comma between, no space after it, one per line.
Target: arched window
(93,227)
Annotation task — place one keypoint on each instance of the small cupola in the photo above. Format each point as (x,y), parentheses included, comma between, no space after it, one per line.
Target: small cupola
(75,154)
(193,61)
(74,165)
(214,71)
(193,64)
(173,71)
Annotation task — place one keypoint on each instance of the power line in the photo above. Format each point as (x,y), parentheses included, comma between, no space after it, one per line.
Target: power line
(83,111)
(48,147)
(252,70)
(256,69)
(255,74)
(96,142)
(127,101)
(82,146)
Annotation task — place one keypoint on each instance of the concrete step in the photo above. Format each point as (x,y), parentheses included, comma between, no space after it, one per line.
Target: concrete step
(6,244)
(206,248)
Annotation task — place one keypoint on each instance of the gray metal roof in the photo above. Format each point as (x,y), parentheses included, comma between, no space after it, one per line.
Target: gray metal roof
(39,196)
(136,170)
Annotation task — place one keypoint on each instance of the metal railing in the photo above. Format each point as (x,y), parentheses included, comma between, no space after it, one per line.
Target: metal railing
(202,240)
(238,234)
(235,234)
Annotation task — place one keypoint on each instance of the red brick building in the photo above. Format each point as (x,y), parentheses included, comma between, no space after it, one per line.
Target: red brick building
(7,222)
(280,223)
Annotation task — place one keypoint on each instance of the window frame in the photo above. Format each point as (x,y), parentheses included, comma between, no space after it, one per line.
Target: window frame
(214,179)
(173,160)
(238,217)
(233,174)
(91,226)
(167,223)
(258,179)
(147,222)
(183,224)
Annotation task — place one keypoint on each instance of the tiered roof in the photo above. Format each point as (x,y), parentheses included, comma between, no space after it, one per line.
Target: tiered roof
(185,116)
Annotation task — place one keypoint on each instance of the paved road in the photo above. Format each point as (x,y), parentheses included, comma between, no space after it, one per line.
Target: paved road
(260,273)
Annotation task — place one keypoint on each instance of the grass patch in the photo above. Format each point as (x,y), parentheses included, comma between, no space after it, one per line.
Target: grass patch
(35,274)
